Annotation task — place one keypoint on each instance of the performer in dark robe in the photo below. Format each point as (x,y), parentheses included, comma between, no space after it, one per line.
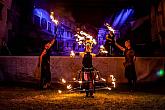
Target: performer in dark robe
(129,64)
(45,79)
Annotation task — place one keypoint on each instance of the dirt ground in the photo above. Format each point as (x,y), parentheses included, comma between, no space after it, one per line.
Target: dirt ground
(30,98)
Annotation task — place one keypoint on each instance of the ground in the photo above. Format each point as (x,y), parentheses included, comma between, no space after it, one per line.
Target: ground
(18,97)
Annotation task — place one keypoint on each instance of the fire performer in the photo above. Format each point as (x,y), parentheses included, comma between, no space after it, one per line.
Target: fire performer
(109,42)
(44,64)
(129,64)
(87,69)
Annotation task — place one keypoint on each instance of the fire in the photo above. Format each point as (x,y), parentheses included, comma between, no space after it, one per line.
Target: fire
(74,79)
(109,27)
(59,91)
(113,80)
(103,79)
(114,84)
(69,86)
(52,18)
(102,49)
(80,82)
(82,38)
(63,80)
(72,54)
(109,88)
(97,76)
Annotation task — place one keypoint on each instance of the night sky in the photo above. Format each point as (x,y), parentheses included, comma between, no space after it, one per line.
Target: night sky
(94,12)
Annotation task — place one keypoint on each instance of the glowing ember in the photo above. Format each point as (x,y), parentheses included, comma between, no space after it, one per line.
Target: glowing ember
(114,84)
(80,82)
(69,86)
(103,79)
(97,76)
(109,27)
(74,79)
(72,54)
(59,91)
(109,88)
(52,18)
(63,80)
(102,49)
(113,80)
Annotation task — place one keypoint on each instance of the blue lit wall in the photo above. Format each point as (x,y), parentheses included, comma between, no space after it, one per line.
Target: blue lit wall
(44,19)
(64,36)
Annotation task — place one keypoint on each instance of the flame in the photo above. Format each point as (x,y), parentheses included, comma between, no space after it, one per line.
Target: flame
(97,76)
(109,27)
(80,82)
(72,54)
(102,49)
(109,88)
(69,86)
(63,80)
(113,80)
(114,84)
(82,38)
(59,91)
(103,79)
(52,18)
(74,79)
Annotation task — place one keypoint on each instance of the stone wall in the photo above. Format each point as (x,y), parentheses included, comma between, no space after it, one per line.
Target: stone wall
(21,68)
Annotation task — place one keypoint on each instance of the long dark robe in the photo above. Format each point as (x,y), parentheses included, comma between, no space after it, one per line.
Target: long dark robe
(45,69)
(130,72)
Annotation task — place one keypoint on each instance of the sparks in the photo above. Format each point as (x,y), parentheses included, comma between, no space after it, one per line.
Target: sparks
(102,49)
(80,82)
(63,80)
(103,79)
(59,91)
(69,86)
(74,79)
(113,80)
(109,27)
(82,38)
(114,84)
(109,88)
(97,76)
(72,54)
(52,18)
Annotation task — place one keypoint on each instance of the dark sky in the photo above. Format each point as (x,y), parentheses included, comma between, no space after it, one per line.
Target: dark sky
(94,12)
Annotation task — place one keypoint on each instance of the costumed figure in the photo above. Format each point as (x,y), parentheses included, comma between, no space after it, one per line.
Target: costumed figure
(44,65)
(109,42)
(88,76)
(129,64)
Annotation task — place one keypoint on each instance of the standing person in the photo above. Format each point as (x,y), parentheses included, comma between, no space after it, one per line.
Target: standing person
(129,64)
(87,71)
(44,63)
(109,42)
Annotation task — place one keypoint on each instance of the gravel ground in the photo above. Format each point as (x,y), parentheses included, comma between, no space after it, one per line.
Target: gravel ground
(20,98)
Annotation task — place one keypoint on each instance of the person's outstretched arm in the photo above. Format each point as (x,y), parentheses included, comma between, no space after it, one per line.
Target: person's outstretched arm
(120,47)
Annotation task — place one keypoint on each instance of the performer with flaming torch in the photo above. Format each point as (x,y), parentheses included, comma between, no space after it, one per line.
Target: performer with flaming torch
(87,69)
(44,65)
(44,61)
(109,40)
(129,64)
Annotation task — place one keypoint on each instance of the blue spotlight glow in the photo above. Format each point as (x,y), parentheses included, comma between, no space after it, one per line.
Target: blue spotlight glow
(122,17)
(117,19)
